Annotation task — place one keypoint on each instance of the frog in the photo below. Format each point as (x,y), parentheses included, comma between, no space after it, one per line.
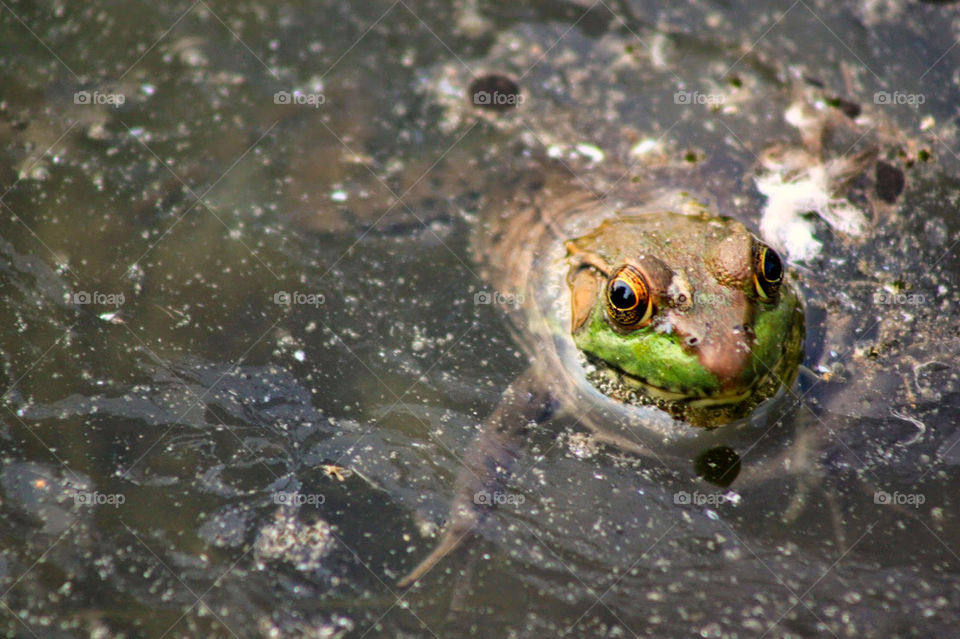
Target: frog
(675,317)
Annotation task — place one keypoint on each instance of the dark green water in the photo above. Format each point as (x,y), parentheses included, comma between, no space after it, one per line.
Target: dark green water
(171,172)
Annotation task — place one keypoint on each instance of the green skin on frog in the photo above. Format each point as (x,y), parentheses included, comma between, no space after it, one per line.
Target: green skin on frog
(691,313)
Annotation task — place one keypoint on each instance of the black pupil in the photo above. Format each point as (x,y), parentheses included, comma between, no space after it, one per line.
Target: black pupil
(621,295)
(772,268)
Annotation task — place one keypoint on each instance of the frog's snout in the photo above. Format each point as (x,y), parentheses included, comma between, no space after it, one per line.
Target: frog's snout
(723,349)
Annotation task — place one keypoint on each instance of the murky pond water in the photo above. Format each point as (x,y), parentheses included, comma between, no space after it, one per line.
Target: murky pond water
(243,352)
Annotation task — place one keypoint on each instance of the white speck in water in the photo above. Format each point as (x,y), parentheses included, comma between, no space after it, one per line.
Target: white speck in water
(591,152)
(39,172)
(339,196)
(582,445)
(643,147)
(299,355)
(147,89)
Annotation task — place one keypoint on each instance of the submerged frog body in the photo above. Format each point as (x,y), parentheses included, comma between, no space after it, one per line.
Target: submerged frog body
(668,315)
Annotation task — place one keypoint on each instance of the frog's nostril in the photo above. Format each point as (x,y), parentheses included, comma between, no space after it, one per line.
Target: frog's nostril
(743,329)
(692,341)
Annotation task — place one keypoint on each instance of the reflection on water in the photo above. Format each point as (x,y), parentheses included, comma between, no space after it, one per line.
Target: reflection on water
(242,354)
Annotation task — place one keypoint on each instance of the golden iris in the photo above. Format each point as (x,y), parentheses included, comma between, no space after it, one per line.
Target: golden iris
(628,298)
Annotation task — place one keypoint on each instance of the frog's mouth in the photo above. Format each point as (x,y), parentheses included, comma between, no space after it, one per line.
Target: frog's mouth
(620,385)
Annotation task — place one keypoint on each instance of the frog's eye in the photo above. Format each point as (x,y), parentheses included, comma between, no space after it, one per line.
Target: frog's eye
(767,271)
(628,298)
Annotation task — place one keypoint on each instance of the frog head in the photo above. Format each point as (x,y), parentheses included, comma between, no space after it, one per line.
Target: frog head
(692,313)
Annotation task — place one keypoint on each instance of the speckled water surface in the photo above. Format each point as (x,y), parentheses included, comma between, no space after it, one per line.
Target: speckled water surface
(246,342)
